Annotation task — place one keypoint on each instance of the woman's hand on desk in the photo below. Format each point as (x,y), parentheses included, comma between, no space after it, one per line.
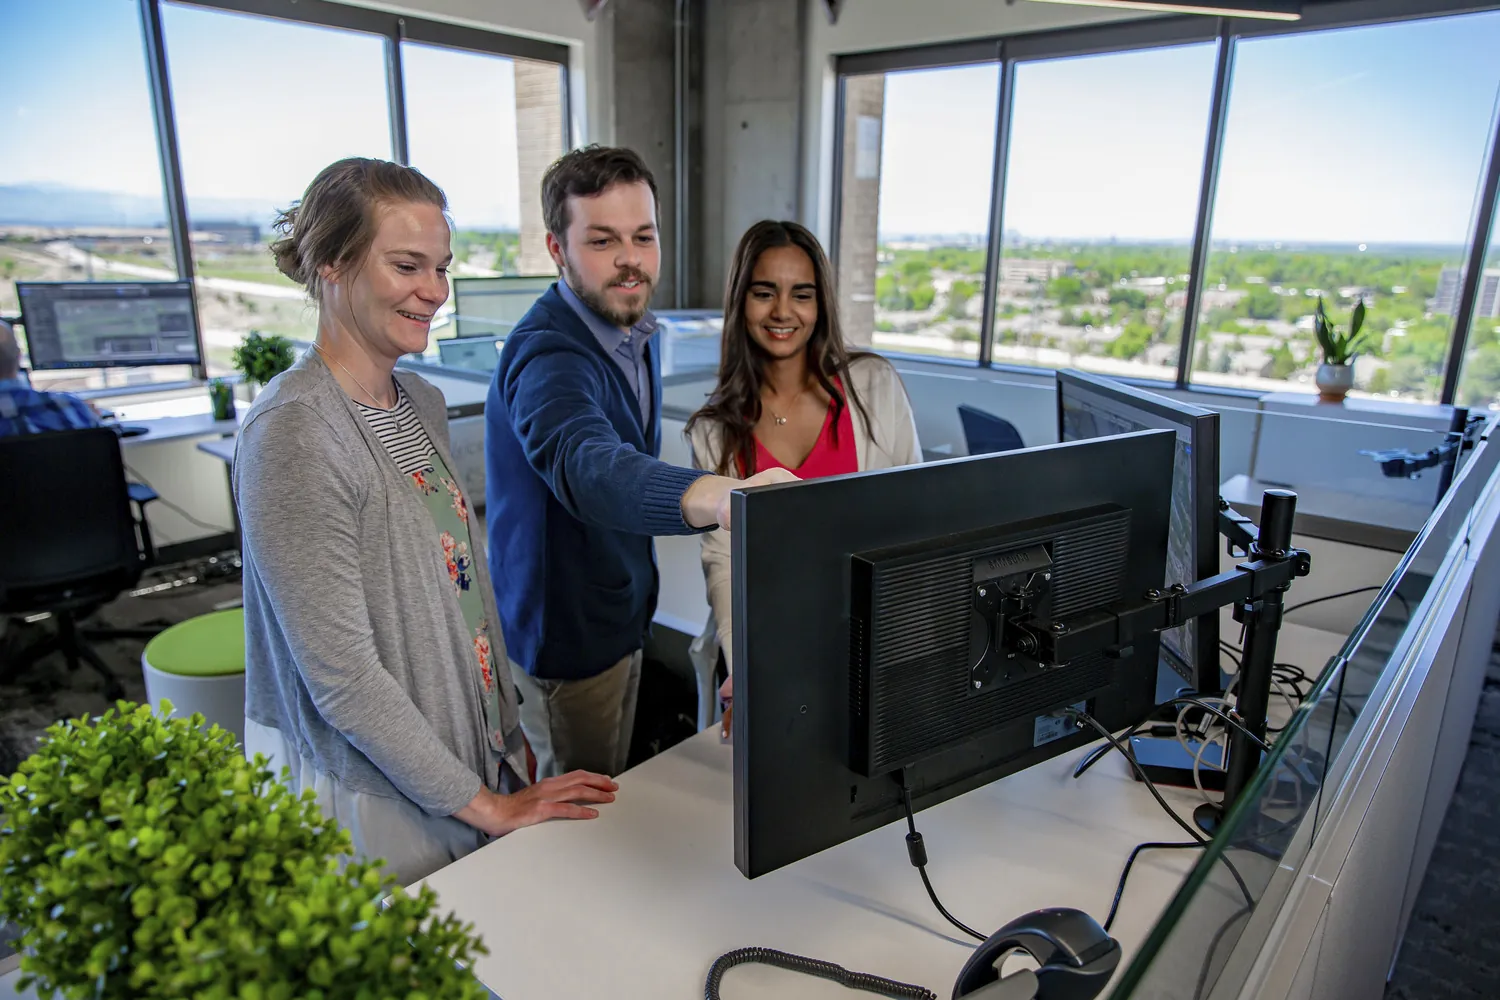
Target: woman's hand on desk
(551,798)
(706,502)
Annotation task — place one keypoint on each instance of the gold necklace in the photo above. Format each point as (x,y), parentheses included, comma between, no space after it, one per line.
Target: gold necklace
(780,420)
(373,398)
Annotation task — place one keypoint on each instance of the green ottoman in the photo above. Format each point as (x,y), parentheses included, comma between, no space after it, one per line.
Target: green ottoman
(199,666)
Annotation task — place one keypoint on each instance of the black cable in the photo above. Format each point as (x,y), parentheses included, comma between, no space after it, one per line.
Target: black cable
(1151,787)
(1346,593)
(173,507)
(811,967)
(1213,946)
(1120,889)
(918,853)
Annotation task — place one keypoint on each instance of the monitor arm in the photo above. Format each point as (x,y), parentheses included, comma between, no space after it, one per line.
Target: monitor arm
(1400,463)
(1255,589)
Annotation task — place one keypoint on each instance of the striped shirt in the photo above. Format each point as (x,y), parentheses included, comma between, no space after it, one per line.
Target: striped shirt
(401,432)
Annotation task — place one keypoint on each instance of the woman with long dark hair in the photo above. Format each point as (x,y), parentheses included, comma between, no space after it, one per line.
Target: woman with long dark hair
(790,393)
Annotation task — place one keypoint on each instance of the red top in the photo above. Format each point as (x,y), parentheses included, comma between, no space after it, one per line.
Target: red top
(827,458)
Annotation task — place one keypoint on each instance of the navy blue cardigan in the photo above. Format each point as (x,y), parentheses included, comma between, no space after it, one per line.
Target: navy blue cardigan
(574,491)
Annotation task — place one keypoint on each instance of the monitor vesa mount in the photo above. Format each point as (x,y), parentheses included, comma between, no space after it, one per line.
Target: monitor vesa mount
(1023,637)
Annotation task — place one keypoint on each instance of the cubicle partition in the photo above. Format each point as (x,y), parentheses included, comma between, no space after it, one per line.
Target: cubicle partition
(1333,837)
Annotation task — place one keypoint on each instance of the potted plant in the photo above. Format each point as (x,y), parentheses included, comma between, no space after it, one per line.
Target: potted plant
(261,357)
(1336,374)
(143,856)
(221,395)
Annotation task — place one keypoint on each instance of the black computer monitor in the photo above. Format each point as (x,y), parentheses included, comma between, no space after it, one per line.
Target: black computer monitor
(1090,406)
(109,324)
(861,649)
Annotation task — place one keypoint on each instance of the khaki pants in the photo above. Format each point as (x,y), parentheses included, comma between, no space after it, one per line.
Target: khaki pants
(583,724)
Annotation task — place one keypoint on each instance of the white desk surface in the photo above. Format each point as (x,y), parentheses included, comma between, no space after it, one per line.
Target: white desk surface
(176,428)
(639,902)
(220,448)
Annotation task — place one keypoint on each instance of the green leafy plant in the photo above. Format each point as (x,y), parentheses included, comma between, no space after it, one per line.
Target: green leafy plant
(1339,348)
(260,357)
(144,857)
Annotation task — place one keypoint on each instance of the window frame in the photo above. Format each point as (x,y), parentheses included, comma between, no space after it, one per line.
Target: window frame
(1139,34)
(393,28)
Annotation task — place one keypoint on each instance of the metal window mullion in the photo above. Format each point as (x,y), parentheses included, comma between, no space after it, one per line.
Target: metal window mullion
(1473,279)
(1005,102)
(395,91)
(1207,191)
(154,41)
(836,216)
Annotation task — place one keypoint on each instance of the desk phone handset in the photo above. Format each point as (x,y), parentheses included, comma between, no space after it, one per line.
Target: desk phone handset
(1075,957)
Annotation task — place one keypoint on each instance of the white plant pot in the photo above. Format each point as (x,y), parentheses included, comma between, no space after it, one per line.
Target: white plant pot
(1335,381)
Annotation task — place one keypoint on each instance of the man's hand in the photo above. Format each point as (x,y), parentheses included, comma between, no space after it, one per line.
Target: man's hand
(706,502)
(550,798)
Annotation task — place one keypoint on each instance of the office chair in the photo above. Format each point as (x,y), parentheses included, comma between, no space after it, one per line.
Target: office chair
(73,536)
(985,433)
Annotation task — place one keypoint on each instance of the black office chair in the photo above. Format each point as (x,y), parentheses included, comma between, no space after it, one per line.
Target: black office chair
(985,433)
(73,536)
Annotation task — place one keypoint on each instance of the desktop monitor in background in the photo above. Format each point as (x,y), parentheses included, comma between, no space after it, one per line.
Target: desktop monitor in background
(109,324)
(490,307)
(863,647)
(1090,406)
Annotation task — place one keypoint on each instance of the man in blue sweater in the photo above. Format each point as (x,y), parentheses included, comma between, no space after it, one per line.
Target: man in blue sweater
(575,488)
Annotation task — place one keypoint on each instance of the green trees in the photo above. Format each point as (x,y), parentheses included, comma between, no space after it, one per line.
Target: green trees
(959,295)
(1132,341)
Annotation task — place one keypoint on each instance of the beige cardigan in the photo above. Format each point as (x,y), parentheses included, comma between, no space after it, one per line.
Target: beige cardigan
(892,443)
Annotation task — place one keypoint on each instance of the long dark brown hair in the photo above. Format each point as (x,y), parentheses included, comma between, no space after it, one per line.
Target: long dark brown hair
(735,402)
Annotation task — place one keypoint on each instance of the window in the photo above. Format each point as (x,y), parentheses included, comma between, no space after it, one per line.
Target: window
(262,105)
(1350,165)
(918,163)
(1106,158)
(80,182)
(485,128)
(1480,382)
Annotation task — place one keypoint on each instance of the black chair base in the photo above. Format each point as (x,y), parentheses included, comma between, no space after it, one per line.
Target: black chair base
(73,643)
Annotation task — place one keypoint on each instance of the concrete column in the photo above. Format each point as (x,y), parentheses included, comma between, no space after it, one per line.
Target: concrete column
(752,126)
(645,119)
(539,139)
(859,237)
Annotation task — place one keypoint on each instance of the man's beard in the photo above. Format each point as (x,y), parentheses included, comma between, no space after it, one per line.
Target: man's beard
(595,300)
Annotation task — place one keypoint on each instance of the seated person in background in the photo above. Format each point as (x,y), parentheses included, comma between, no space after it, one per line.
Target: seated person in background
(24,410)
(790,394)
(374,665)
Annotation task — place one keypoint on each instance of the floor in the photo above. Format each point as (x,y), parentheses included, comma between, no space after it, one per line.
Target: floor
(1452,947)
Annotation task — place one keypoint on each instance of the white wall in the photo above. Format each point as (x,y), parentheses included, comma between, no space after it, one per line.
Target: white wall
(592,104)
(870,25)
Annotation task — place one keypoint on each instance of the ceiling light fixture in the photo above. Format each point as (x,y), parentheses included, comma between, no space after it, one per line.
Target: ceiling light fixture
(1274,10)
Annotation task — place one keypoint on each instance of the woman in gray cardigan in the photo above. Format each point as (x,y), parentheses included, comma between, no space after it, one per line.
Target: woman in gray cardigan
(375,668)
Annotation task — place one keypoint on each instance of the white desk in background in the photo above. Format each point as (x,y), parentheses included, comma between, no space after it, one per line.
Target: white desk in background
(639,902)
(162,429)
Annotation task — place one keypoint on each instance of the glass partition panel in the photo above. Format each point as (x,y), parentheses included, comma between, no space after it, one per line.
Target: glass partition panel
(1230,898)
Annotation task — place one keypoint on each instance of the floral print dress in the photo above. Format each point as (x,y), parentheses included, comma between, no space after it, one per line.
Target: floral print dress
(413,452)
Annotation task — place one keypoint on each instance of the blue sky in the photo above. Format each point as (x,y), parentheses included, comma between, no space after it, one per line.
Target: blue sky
(1366,135)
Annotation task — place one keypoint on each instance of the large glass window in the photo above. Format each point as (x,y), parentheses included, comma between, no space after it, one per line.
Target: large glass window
(262,105)
(1106,158)
(1480,383)
(485,128)
(80,182)
(1350,165)
(918,158)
